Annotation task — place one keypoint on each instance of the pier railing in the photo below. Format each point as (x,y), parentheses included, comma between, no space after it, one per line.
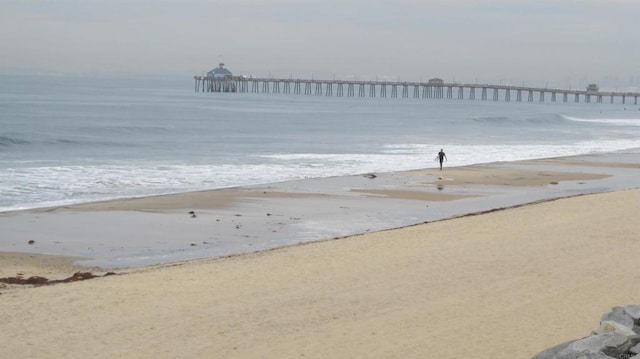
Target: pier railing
(383,89)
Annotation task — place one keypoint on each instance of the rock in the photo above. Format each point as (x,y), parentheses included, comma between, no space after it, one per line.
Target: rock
(585,348)
(619,315)
(616,337)
(609,326)
(593,356)
(551,352)
(634,312)
(619,345)
(616,346)
(590,345)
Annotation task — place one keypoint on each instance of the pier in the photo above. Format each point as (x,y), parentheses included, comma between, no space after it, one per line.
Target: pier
(432,89)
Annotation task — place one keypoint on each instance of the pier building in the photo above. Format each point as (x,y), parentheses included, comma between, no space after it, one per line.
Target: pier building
(220,79)
(220,72)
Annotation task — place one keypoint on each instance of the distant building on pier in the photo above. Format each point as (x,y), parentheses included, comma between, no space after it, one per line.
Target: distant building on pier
(436,81)
(592,88)
(219,72)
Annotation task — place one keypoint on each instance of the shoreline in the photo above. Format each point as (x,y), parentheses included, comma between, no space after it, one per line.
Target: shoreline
(137,232)
(120,203)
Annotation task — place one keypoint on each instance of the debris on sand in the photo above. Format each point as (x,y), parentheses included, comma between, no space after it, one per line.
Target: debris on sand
(39,281)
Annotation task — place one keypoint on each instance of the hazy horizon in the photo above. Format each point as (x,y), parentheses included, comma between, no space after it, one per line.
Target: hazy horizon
(565,43)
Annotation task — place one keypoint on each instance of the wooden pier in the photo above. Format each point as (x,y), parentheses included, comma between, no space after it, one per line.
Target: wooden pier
(432,89)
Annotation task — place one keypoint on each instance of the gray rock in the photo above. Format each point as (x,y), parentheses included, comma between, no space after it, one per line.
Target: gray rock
(617,345)
(619,315)
(617,336)
(591,344)
(608,345)
(634,312)
(609,326)
(550,353)
(592,356)
(617,341)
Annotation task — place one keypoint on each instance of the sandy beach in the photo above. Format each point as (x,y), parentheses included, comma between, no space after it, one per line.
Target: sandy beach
(500,284)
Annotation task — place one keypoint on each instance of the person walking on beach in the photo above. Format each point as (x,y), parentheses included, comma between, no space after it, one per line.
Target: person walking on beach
(441,157)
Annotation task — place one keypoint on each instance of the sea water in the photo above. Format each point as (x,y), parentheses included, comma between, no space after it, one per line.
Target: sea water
(67,140)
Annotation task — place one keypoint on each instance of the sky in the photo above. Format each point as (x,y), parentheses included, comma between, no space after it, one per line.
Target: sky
(562,42)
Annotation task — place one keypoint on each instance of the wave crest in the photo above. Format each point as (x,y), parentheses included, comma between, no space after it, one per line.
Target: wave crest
(12,141)
(607,121)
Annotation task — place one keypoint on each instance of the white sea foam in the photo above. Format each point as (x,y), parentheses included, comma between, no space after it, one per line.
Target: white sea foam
(57,185)
(607,121)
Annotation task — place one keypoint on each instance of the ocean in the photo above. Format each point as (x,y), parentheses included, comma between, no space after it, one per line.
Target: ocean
(66,140)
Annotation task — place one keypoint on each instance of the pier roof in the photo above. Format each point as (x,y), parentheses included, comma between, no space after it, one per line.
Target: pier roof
(219,71)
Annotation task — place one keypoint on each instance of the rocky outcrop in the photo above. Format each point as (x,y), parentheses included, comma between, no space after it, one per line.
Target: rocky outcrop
(617,336)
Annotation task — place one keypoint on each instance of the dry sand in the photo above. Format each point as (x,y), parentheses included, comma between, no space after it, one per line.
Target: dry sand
(504,284)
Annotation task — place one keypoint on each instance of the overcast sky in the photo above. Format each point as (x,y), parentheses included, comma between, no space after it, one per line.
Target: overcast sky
(561,41)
